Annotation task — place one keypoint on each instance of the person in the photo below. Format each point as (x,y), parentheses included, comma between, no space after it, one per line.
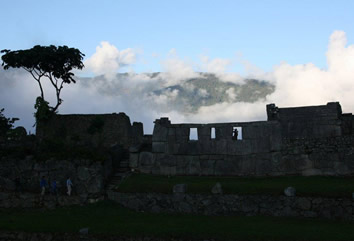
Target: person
(54,187)
(43,185)
(235,134)
(69,185)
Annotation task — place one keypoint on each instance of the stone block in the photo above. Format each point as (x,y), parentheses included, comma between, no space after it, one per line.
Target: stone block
(303,203)
(83,173)
(173,148)
(216,157)
(146,159)
(188,148)
(167,160)
(311,172)
(217,189)
(135,148)
(341,168)
(179,188)
(160,133)
(263,164)
(133,160)
(249,132)
(226,167)
(146,169)
(193,166)
(158,147)
(207,167)
(221,147)
(95,185)
(182,131)
(181,138)
(290,192)
(181,165)
(167,170)
(206,147)
(171,131)
(223,132)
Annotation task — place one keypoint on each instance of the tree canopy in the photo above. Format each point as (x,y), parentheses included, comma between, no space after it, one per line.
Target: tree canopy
(54,63)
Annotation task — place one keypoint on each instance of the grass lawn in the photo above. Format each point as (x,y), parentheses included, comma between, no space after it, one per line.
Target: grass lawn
(110,218)
(305,186)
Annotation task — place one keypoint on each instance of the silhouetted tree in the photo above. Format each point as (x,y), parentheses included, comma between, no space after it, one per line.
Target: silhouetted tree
(54,63)
(5,123)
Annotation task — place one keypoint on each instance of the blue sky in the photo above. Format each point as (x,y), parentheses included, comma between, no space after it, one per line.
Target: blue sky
(305,48)
(262,32)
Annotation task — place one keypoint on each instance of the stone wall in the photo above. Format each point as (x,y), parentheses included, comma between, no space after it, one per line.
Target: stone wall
(97,130)
(250,205)
(317,156)
(315,140)
(46,236)
(308,121)
(89,178)
(35,200)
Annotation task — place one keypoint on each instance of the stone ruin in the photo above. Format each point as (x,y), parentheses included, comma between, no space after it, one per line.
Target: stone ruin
(312,140)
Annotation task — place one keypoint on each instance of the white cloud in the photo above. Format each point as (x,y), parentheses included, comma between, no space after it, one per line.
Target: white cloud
(177,70)
(217,65)
(203,93)
(108,59)
(231,93)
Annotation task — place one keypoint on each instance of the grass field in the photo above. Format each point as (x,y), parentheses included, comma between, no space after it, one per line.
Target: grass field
(305,186)
(109,218)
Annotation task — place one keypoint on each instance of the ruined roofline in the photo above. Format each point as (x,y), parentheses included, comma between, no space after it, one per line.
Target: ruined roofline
(85,115)
(306,107)
(222,123)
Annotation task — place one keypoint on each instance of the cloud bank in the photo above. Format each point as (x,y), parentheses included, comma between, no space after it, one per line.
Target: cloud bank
(147,96)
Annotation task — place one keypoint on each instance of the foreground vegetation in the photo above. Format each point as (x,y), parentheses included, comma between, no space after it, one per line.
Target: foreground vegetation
(109,218)
(305,186)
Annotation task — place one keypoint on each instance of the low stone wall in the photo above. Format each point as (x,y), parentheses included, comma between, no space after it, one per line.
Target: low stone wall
(88,176)
(23,236)
(33,200)
(250,205)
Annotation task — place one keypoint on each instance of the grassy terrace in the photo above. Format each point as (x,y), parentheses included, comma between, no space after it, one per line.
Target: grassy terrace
(109,218)
(305,186)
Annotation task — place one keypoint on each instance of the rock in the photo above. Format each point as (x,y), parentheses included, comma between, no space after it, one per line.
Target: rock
(84,231)
(95,200)
(290,192)
(83,173)
(217,189)
(95,185)
(179,188)
(146,159)
(303,203)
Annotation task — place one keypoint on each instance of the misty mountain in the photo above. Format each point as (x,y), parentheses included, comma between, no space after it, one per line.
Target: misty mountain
(208,89)
(185,95)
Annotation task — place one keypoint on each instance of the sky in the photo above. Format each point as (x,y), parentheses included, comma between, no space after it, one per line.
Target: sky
(305,48)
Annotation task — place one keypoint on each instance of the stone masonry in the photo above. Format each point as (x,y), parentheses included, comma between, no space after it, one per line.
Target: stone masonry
(313,140)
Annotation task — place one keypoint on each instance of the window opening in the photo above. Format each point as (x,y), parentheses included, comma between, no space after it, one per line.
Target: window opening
(236,133)
(212,133)
(193,134)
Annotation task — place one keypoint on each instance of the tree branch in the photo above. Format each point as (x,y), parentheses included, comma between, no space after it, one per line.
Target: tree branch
(38,79)
(58,90)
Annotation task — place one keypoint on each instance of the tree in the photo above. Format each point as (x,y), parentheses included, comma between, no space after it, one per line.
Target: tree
(54,63)
(5,123)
